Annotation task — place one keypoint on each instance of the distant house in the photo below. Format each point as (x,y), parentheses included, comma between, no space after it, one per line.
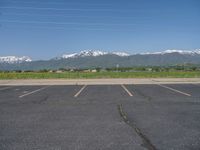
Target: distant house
(59,71)
(94,70)
(149,69)
(86,70)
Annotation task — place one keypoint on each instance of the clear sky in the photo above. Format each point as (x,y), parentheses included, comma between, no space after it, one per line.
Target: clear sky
(43,29)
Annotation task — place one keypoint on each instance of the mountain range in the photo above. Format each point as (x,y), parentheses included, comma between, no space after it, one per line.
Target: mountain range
(97,58)
(14,59)
(94,53)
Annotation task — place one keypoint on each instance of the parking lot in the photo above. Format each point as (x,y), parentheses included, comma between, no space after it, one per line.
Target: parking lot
(95,117)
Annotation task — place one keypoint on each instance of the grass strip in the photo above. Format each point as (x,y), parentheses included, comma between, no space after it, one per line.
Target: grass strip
(98,75)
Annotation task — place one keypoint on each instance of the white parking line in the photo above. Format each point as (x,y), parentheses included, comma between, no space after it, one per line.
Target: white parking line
(129,93)
(29,93)
(164,86)
(79,92)
(1,89)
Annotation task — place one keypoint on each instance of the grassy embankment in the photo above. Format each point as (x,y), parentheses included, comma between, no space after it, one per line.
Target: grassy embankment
(87,75)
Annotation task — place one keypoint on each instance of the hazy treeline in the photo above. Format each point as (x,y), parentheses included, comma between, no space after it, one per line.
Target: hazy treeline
(186,67)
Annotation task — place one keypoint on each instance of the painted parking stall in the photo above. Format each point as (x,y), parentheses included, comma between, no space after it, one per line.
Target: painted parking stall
(128,116)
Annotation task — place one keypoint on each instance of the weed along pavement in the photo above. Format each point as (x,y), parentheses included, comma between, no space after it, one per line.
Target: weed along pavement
(100,117)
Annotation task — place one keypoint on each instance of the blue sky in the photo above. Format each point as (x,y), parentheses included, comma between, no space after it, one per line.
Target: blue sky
(43,29)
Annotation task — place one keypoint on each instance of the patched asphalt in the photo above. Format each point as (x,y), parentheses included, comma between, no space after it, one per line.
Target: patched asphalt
(101,117)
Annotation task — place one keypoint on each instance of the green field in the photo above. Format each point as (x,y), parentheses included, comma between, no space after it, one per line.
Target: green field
(90,75)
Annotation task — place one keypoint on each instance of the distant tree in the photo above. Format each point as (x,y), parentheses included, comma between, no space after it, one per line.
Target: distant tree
(194,68)
(156,69)
(98,69)
(44,70)
(18,71)
(28,71)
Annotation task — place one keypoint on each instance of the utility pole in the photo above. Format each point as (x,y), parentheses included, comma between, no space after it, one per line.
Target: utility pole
(117,66)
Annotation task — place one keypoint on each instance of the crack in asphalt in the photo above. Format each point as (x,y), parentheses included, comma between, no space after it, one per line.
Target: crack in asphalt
(142,94)
(146,142)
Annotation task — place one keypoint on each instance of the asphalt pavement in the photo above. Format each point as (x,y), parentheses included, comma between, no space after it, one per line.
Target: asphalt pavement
(100,117)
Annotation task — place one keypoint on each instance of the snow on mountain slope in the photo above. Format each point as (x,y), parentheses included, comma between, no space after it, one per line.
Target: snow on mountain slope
(14,59)
(122,54)
(70,55)
(93,53)
(184,52)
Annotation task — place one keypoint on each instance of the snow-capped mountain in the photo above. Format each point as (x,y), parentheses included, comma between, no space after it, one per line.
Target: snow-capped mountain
(123,54)
(184,52)
(94,53)
(14,59)
(106,60)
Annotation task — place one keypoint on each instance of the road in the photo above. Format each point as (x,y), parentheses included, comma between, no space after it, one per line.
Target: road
(100,117)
